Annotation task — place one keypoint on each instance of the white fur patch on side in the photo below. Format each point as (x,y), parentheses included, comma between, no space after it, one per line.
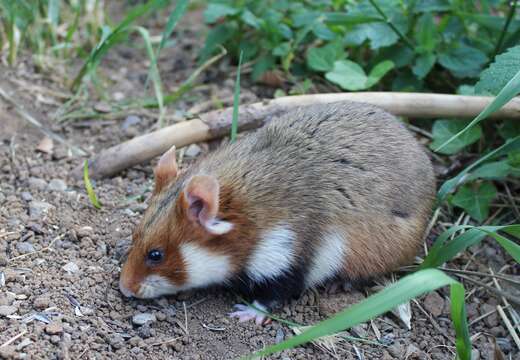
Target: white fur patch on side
(204,267)
(218,227)
(155,285)
(273,255)
(328,259)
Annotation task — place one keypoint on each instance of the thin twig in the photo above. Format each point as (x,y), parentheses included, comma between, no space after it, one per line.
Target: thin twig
(39,251)
(166,341)
(509,326)
(512,311)
(491,289)
(14,338)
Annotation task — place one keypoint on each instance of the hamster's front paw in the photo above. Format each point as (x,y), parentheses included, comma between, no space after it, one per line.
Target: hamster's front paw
(246,313)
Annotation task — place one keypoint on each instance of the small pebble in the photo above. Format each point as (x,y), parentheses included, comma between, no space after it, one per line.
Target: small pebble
(71,267)
(37,183)
(434,303)
(41,302)
(57,185)
(54,328)
(26,196)
(85,231)
(25,247)
(130,120)
(142,318)
(193,150)
(39,208)
(6,310)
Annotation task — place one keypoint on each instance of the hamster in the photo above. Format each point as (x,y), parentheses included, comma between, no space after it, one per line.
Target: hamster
(320,192)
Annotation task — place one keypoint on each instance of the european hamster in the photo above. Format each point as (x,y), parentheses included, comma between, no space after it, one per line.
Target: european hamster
(322,191)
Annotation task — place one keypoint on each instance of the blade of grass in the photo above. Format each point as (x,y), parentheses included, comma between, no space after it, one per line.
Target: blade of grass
(173,19)
(449,185)
(154,73)
(112,38)
(53,12)
(407,288)
(88,186)
(443,251)
(236,100)
(508,92)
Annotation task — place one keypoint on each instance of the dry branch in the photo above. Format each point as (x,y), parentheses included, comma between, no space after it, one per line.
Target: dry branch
(217,123)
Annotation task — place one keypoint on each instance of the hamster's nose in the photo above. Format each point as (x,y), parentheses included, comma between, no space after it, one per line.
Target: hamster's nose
(124,290)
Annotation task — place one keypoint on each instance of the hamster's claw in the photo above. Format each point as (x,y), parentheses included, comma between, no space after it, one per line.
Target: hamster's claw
(246,313)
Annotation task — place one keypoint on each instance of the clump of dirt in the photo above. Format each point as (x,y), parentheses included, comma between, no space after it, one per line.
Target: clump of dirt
(60,257)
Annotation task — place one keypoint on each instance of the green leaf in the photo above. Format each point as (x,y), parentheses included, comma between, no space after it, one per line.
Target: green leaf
(282,49)
(173,19)
(88,187)
(444,250)
(263,64)
(405,289)
(509,129)
(492,171)
(510,146)
(217,36)
(431,5)
(400,55)
(475,199)
(379,34)
(250,19)
(322,59)
(378,72)
(463,60)
(508,92)
(215,11)
(350,76)
(323,32)
(500,72)
(425,34)
(446,129)
(423,65)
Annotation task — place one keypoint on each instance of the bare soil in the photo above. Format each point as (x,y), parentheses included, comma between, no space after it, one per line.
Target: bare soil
(60,257)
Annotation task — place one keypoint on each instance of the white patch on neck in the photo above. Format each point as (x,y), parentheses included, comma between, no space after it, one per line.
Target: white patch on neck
(329,258)
(204,267)
(273,255)
(154,286)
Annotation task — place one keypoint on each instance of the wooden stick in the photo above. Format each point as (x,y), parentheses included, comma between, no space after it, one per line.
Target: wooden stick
(216,124)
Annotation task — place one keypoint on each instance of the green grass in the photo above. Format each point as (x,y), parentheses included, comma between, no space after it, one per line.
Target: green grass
(89,188)
(236,100)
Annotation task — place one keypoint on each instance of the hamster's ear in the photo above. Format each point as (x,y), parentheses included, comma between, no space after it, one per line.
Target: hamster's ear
(166,170)
(201,205)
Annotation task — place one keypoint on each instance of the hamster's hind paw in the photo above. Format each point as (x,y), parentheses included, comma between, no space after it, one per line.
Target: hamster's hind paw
(246,313)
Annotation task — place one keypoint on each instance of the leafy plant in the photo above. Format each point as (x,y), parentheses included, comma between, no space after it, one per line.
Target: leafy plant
(425,40)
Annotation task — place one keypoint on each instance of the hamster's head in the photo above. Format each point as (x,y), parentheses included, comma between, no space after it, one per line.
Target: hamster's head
(180,241)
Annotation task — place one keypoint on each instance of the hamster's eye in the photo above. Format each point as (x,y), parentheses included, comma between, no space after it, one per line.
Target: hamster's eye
(154,256)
